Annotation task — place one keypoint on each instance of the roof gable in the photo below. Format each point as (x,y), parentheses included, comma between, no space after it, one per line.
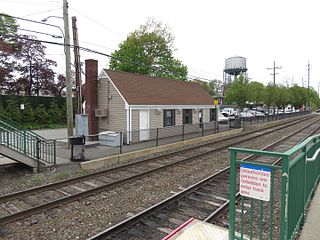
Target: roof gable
(140,89)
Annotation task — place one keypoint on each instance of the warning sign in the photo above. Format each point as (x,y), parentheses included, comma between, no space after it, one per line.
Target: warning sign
(255,182)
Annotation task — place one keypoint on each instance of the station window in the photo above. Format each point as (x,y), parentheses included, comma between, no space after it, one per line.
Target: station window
(187,116)
(212,114)
(168,118)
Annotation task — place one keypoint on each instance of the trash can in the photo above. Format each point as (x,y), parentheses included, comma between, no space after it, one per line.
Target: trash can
(235,123)
(110,138)
(77,147)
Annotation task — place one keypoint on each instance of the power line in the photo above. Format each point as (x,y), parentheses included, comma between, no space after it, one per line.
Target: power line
(48,34)
(96,52)
(96,22)
(46,11)
(28,3)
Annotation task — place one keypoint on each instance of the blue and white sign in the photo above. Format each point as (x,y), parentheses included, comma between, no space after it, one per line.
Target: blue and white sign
(255,182)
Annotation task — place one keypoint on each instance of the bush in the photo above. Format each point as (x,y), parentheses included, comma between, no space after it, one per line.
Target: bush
(13,110)
(28,113)
(54,113)
(40,115)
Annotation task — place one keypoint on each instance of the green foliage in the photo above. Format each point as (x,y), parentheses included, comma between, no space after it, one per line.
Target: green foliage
(238,92)
(13,110)
(314,99)
(27,115)
(8,26)
(40,115)
(209,87)
(256,92)
(149,51)
(61,176)
(2,110)
(33,118)
(298,96)
(54,112)
(282,97)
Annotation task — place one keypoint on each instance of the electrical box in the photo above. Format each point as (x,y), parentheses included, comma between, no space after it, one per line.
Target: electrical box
(81,122)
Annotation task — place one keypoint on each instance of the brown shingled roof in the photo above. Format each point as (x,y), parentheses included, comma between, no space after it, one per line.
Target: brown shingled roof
(140,89)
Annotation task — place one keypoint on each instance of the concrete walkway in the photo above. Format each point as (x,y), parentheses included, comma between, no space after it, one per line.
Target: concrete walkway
(311,228)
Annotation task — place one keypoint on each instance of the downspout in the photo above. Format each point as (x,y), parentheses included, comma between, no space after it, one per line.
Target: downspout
(130,123)
(108,101)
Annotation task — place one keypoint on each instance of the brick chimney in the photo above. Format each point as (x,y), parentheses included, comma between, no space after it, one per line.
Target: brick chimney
(91,95)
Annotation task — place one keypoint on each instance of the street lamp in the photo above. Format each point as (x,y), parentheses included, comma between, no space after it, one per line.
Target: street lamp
(66,38)
(46,19)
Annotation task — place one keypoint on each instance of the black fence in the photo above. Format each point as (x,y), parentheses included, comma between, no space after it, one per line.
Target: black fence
(123,142)
(140,139)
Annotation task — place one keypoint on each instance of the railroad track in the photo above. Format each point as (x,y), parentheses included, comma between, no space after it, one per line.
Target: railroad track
(31,201)
(205,200)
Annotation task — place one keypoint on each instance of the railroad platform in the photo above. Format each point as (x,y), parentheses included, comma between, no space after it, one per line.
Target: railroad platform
(195,229)
(311,229)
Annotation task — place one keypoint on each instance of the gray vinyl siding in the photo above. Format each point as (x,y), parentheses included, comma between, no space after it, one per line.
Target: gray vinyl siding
(117,117)
(135,119)
(102,102)
(156,118)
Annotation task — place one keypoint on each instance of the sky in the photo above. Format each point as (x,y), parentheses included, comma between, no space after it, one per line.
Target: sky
(206,32)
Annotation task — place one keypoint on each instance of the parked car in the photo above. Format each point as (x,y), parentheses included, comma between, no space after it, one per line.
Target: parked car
(222,118)
(227,112)
(245,115)
(256,113)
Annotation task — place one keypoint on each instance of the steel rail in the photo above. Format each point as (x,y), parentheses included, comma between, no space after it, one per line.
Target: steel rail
(167,202)
(67,199)
(62,183)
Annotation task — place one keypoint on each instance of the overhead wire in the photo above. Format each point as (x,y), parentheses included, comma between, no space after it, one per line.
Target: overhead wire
(87,49)
(189,77)
(46,11)
(48,34)
(96,22)
(28,2)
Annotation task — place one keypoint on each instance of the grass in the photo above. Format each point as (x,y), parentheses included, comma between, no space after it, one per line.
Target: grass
(61,176)
(38,180)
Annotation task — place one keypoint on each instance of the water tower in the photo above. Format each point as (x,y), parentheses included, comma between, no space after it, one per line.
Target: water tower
(234,66)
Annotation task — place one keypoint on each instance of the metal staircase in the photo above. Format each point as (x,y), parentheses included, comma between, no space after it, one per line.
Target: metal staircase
(25,146)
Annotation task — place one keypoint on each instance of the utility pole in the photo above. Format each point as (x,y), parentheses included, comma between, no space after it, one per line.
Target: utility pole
(274,79)
(77,64)
(68,69)
(309,103)
(274,72)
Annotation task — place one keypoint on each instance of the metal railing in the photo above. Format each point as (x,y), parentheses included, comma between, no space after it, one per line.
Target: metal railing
(17,138)
(287,192)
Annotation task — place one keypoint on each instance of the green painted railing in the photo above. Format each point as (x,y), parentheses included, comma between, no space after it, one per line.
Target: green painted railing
(292,183)
(26,142)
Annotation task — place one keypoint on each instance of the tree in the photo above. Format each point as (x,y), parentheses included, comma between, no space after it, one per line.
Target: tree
(13,109)
(34,69)
(270,95)
(54,112)
(256,92)
(8,47)
(298,96)
(238,92)
(149,50)
(282,97)
(208,86)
